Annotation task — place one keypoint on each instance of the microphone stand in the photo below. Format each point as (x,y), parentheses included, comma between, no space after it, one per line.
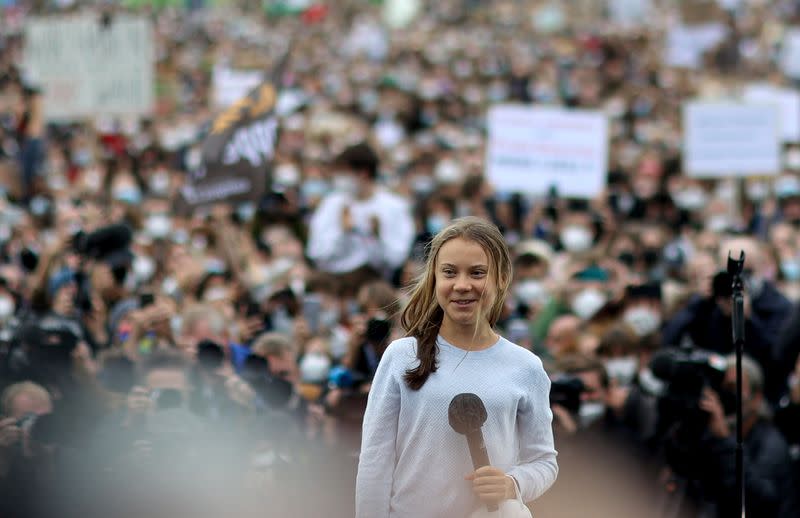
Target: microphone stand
(737,298)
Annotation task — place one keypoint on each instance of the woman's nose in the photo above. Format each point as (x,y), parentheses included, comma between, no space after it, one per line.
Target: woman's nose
(462,284)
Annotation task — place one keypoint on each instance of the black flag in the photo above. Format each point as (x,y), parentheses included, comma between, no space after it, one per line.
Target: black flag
(237,152)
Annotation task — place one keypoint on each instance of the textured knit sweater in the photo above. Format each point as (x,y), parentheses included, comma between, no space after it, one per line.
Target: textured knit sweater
(413,464)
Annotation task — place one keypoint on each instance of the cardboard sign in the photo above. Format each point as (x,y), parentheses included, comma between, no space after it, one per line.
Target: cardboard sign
(532,149)
(86,69)
(728,139)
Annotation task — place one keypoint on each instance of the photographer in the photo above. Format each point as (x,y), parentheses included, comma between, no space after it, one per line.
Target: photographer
(587,401)
(707,461)
(706,321)
(22,403)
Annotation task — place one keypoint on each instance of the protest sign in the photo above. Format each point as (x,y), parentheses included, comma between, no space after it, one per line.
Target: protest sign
(533,149)
(630,13)
(685,45)
(788,102)
(237,153)
(229,85)
(790,53)
(86,68)
(729,139)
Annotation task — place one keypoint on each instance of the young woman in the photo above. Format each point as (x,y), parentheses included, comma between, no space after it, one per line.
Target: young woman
(413,464)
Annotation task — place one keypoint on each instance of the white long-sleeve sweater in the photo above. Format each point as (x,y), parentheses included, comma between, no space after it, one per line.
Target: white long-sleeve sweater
(412,463)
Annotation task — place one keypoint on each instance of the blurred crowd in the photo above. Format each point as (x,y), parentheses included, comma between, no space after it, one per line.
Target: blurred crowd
(155,362)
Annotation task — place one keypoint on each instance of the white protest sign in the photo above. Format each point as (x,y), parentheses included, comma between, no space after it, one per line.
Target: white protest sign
(532,149)
(790,53)
(86,69)
(787,101)
(685,44)
(229,85)
(630,13)
(727,139)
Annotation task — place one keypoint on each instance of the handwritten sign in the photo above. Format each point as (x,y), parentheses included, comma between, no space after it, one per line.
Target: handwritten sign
(727,139)
(532,149)
(86,69)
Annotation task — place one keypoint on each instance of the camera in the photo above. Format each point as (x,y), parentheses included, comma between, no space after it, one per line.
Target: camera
(103,241)
(566,391)
(681,421)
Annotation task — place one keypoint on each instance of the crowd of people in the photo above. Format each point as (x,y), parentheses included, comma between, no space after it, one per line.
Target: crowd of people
(155,362)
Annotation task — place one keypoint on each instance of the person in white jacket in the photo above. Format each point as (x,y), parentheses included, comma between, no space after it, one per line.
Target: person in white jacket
(361,226)
(412,463)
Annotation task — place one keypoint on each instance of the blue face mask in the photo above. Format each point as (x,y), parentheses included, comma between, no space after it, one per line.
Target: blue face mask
(791,270)
(82,157)
(129,195)
(435,223)
(314,188)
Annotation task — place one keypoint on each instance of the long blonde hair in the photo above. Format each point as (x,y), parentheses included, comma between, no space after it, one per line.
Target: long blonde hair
(422,316)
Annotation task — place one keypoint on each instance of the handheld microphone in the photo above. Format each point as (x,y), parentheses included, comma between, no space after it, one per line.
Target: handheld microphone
(466,414)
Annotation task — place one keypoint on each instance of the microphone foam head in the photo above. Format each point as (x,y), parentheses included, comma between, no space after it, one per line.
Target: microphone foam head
(467,413)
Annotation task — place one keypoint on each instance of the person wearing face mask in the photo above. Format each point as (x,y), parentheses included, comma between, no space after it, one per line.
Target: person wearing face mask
(361,230)
(583,296)
(576,238)
(610,410)
(531,268)
(643,309)
(767,468)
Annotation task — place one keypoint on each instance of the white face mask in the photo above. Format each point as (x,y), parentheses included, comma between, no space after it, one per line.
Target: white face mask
(576,238)
(718,223)
(423,185)
(314,368)
(169,286)
(622,369)
(345,184)
(792,159)
(642,320)
(757,191)
(448,171)
(216,294)
(690,199)
(588,302)
(159,182)
(158,226)
(7,307)
(143,268)
(532,292)
(590,412)
(287,174)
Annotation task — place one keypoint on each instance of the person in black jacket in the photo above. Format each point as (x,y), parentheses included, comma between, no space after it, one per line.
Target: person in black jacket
(710,462)
(706,323)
